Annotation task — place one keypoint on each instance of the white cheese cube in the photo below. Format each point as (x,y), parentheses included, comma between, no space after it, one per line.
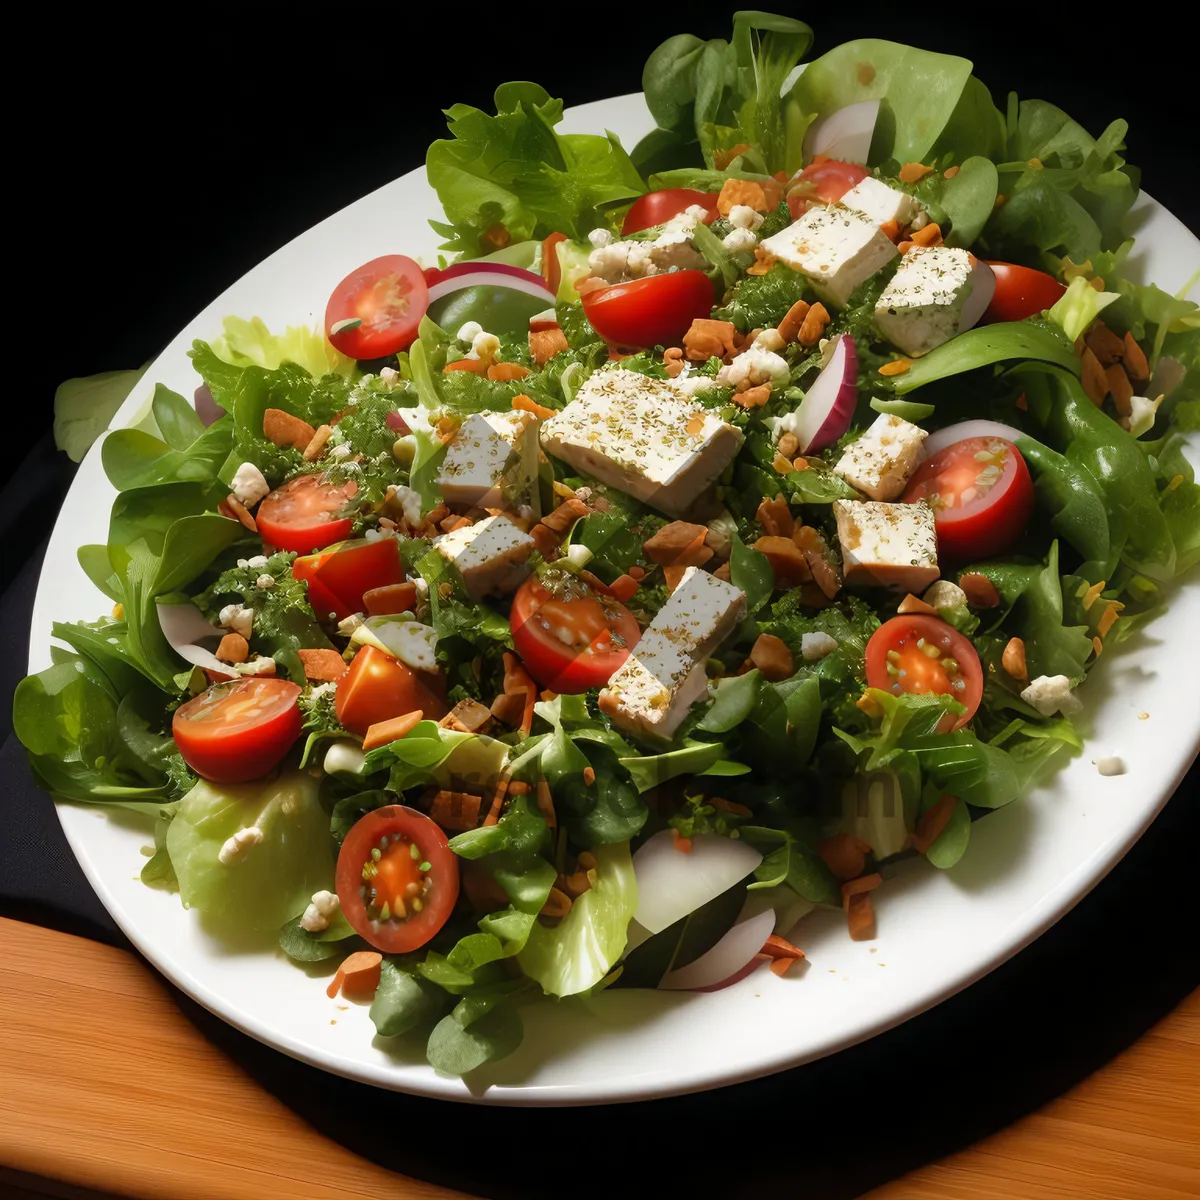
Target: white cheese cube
(492,462)
(664,676)
(881,203)
(887,545)
(881,461)
(922,306)
(835,247)
(644,436)
(489,555)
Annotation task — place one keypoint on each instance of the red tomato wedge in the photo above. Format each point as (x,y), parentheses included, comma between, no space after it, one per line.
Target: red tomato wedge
(301,515)
(238,730)
(375,310)
(341,576)
(551,266)
(1021,292)
(921,654)
(981,494)
(657,208)
(570,638)
(397,879)
(378,687)
(655,311)
(822,182)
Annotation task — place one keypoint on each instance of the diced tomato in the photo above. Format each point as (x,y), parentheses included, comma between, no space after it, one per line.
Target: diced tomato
(375,310)
(378,687)
(657,208)
(303,514)
(920,654)
(339,578)
(397,879)
(570,638)
(981,494)
(655,311)
(238,730)
(1021,292)
(823,182)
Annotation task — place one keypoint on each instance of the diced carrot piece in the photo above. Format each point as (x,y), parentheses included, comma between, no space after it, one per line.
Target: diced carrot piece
(932,823)
(455,810)
(890,230)
(233,648)
(503,372)
(497,804)
(673,575)
(864,883)
(544,344)
(322,665)
(672,540)
(844,854)
(772,657)
(358,976)
(778,947)
(565,515)
(860,916)
(391,730)
(624,588)
(394,598)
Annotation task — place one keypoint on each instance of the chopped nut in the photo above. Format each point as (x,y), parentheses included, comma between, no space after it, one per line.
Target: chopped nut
(787,560)
(789,327)
(1136,365)
(812,328)
(742,191)
(283,429)
(820,562)
(235,510)
(1013,659)
(789,445)
(775,517)
(673,362)
(1120,387)
(979,590)
(1104,344)
(781,464)
(233,648)
(1094,380)
(707,339)
(764,260)
(772,657)
(557,905)
(753,397)
(322,665)
(317,443)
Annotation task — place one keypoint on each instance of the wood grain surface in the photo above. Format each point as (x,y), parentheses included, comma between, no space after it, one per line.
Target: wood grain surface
(111,1090)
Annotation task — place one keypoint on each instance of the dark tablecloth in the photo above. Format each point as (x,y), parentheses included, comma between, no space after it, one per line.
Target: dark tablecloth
(1063,1007)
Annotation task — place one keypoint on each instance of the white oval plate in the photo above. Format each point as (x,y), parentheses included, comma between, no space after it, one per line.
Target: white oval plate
(938,931)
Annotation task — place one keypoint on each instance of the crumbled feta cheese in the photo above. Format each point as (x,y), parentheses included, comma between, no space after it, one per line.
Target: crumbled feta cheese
(347,625)
(491,555)
(740,241)
(390,376)
(237,617)
(493,463)
(815,646)
(881,203)
(243,563)
(410,503)
(320,912)
(756,365)
(945,594)
(344,758)
(264,581)
(880,462)
(658,683)
(1110,764)
(693,385)
(835,247)
(634,259)
(601,238)
(328,688)
(742,216)
(239,845)
(469,332)
(262,665)
(887,545)
(643,436)
(1142,413)
(922,305)
(1051,694)
(249,484)
(770,339)
(484,346)
(546,317)
(341,452)
(256,563)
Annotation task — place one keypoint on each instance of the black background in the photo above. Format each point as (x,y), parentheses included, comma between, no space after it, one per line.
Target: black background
(182,163)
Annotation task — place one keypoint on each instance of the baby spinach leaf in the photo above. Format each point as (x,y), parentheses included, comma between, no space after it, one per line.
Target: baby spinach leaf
(968,198)
(405,1001)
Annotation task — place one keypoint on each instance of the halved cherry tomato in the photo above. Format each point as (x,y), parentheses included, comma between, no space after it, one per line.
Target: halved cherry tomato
(238,730)
(378,687)
(657,208)
(300,515)
(570,637)
(981,495)
(387,297)
(341,576)
(655,311)
(551,267)
(1021,292)
(397,879)
(822,182)
(920,654)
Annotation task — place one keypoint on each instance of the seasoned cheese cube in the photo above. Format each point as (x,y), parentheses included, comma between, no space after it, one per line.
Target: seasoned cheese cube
(492,462)
(922,306)
(489,555)
(882,203)
(664,676)
(881,461)
(644,436)
(887,545)
(835,247)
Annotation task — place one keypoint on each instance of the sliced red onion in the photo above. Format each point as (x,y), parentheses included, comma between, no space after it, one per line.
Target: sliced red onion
(726,959)
(827,409)
(966,429)
(397,424)
(845,134)
(480,274)
(185,627)
(672,884)
(983,288)
(207,409)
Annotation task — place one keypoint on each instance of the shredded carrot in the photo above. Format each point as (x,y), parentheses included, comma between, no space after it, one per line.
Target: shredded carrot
(781,966)
(864,883)
(729,806)
(1097,646)
(523,403)
(932,824)
(860,916)
(682,844)
(1109,619)
(913,172)
(475,365)
(358,976)
(383,732)
(1022,403)
(518,787)
(503,372)
(497,804)
(929,235)
(896,367)
(545,803)
(844,854)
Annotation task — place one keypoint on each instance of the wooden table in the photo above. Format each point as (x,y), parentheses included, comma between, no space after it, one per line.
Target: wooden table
(107,1088)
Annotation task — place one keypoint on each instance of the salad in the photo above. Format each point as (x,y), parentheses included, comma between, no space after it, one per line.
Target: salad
(715,525)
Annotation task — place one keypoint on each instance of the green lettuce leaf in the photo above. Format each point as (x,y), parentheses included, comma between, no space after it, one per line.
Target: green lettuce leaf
(83,408)
(251,344)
